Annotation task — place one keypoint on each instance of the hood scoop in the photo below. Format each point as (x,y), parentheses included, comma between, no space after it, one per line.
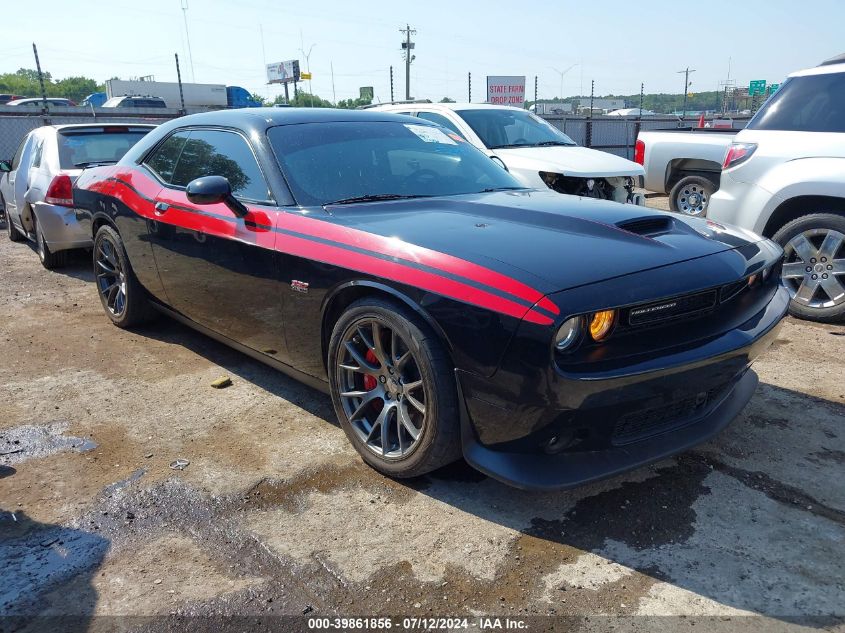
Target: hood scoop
(648,226)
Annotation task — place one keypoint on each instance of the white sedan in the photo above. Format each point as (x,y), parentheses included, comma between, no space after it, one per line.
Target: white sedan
(537,153)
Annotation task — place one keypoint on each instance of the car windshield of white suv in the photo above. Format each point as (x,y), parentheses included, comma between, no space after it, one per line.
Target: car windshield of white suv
(353,161)
(813,103)
(500,128)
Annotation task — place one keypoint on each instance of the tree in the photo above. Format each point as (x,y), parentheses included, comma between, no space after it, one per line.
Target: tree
(351,104)
(306,100)
(25,82)
(257,97)
(447,100)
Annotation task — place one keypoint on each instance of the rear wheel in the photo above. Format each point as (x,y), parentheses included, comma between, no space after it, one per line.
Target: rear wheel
(691,195)
(814,266)
(393,389)
(49,259)
(124,299)
(11,231)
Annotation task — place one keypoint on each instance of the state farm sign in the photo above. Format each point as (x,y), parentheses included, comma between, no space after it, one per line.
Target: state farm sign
(506,90)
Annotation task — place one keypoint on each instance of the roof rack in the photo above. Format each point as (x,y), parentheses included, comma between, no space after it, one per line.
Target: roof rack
(375,105)
(839,59)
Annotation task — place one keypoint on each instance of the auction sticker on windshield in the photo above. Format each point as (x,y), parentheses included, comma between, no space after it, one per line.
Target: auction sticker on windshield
(430,134)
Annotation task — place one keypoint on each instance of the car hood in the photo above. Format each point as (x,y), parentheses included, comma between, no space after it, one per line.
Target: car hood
(571,160)
(545,240)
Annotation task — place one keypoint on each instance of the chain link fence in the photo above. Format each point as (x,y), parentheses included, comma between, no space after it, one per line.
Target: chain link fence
(618,135)
(14,125)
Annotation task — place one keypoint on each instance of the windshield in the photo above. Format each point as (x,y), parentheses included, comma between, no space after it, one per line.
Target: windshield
(813,103)
(498,128)
(353,161)
(78,148)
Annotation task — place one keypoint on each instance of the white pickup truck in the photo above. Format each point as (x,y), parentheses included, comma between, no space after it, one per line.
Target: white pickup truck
(685,163)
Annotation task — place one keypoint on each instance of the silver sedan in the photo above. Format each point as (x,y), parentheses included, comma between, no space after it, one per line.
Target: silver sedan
(36,187)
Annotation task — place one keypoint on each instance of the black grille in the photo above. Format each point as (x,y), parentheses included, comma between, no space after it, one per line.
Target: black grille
(671,308)
(644,423)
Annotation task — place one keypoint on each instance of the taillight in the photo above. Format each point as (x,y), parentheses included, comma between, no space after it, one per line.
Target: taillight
(60,191)
(639,152)
(738,153)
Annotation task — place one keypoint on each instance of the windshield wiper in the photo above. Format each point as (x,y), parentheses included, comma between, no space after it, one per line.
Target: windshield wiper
(501,189)
(552,143)
(92,163)
(376,197)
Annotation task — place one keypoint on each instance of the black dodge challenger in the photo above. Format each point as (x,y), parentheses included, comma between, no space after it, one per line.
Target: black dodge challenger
(552,340)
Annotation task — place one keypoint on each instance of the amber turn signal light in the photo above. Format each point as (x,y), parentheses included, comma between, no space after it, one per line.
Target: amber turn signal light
(601,324)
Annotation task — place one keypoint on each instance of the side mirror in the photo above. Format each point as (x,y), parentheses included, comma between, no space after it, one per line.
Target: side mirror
(213,190)
(5,166)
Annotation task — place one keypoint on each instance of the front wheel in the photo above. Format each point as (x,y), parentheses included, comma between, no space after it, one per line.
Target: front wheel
(393,389)
(814,266)
(124,299)
(691,195)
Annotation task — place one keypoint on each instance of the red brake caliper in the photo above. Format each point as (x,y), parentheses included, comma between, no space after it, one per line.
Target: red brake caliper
(370,382)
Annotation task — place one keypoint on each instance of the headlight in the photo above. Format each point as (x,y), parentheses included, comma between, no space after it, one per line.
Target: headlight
(601,323)
(568,333)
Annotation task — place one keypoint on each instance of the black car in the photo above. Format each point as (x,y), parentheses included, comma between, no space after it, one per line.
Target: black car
(552,340)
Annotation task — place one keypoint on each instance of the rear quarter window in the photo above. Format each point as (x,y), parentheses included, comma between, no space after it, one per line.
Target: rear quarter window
(812,103)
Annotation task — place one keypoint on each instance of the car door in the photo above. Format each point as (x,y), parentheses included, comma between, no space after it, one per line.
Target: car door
(217,269)
(18,176)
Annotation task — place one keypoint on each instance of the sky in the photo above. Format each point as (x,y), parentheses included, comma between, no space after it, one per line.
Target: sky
(617,44)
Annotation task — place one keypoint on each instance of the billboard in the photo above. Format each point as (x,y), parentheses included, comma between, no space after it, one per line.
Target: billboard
(283,72)
(506,90)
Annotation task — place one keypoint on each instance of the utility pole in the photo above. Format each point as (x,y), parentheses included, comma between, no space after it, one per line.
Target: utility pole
(43,90)
(407,47)
(391,84)
(334,96)
(642,89)
(188,39)
(535,93)
(179,79)
(307,64)
(469,87)
(686,73)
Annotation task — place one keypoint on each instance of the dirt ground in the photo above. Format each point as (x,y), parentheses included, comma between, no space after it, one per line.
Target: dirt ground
(275,513)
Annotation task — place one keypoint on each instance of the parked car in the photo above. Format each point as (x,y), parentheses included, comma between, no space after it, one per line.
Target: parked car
(445,307)
(784,177)
(38,102)
(135,101)
(36,187)
(684,163)
(535,152)
(5,98)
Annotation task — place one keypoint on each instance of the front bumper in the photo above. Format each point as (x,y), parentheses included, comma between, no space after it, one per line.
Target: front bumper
(61,227)
(575,430)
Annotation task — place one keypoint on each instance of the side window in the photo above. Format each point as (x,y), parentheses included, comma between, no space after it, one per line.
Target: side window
(440,120)
(16,161)
(163,160)
(36,156)
(219,153)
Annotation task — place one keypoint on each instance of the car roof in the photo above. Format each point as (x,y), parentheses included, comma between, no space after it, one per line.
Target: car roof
(35,99)
(827,67)
(444,106)
(269,117)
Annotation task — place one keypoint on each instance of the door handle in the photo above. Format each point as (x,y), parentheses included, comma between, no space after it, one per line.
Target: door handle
(161,207)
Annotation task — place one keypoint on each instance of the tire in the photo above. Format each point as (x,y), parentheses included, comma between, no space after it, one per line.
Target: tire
(691,195)
(48,259)
(124,300)
(12,232)
(815,241)
(388,389)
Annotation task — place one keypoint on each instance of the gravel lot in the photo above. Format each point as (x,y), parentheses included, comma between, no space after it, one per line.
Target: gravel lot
(275,513)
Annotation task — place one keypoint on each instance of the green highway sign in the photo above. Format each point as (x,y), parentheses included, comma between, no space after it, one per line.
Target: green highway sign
(773,88)
(757,87)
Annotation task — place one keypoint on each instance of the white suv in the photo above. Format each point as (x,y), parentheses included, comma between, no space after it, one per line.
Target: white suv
(784,177)
(536,153)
